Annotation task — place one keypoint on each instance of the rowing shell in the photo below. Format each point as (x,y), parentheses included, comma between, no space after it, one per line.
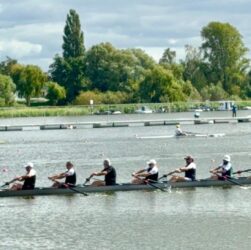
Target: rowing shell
(181,136)
(124,187)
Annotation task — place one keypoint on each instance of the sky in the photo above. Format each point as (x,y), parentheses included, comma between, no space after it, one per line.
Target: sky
(31,30)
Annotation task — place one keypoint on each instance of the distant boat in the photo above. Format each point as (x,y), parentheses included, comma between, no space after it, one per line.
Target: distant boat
(182,136)
(144,110)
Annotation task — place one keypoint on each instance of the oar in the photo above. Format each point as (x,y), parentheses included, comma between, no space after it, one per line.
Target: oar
(242,171)
(8,182)
(149,183)
(229,179)
(77,191)
(165,175)
(5,184)
(73,189)
(87,180)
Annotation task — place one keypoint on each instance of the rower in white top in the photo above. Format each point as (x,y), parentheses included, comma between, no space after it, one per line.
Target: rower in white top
(224,170)
(189,169)
(149,173)
(179,132)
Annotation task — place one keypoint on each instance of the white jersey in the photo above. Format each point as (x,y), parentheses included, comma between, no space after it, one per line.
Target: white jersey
(178,131)
(70,172)
(192,165)
(153,170)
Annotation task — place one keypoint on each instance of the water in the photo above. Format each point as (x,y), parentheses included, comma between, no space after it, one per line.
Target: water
(201,218)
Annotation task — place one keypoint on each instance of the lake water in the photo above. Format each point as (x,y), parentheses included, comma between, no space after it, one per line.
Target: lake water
(201,218)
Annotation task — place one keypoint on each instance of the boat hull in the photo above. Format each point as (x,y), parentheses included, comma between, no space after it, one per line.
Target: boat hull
(181,136)
(124,187)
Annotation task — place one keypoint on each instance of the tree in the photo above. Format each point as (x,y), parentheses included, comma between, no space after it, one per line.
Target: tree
(73,38)
(55,93)
(30,81)
(69,70)
(225,52)
(7,65)
(111,69)
(195,70)
(7,88)
(168,57)
(160,85)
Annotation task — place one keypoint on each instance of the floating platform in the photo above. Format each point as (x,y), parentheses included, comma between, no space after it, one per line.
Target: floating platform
(110,125)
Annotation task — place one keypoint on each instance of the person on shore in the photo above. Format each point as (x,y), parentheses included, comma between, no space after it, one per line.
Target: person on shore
(234,110)
(108,172)
(178,131)
(224,170)
(69,175)
(29,179)
(150,173)
(189,169)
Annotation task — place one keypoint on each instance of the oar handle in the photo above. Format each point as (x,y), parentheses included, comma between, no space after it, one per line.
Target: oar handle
(87,179)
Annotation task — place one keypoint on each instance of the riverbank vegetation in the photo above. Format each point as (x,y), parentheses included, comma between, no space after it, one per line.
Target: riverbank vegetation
(218,69)
(111,109)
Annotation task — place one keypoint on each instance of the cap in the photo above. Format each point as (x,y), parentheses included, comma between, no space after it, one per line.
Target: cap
(226,158)
(29,164)
(108,161)
(188,157)
(152,161)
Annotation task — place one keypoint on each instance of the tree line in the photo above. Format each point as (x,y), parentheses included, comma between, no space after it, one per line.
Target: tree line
(218,69)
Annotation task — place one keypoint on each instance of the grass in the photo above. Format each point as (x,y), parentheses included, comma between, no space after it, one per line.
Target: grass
(40,111)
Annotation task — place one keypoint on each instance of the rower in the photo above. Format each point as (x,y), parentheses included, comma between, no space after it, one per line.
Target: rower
(108,171)
(224,170)
(29,179)
(149,173)
(179,132)
(189,169)
(70,177)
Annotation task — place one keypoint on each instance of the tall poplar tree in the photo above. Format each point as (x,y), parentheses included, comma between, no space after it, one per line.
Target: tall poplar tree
(68,70)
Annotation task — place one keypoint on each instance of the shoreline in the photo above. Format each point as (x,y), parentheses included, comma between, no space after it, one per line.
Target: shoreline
(49,111)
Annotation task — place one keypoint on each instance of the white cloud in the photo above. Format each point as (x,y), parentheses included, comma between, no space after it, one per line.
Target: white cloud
(35,28)
(18,49)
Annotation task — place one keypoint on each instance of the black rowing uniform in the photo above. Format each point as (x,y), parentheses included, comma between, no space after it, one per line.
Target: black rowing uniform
(29,183)
(110,177)
(71,177)
(226,171)
(154,173)
(190,173)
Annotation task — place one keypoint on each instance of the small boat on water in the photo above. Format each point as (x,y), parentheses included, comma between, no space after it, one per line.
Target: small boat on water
(180,136)
(165,185)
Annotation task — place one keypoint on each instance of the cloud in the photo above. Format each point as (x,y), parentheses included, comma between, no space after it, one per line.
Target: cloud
(139,23)
(19,49)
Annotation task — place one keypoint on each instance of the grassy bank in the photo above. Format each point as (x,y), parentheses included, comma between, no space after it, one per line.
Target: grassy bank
(123,108)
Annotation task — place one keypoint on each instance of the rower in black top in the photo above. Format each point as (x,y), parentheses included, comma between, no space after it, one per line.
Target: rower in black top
(29,179)
(109,172)
(70,177)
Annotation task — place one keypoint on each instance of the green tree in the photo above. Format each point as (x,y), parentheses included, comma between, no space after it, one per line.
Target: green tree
(69,70)
(213,92)
(168,57)
(30,81)
(195,70)
(160,85)
(55,93)
(225,52)
(7,88)
(73,45)
(7,65)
